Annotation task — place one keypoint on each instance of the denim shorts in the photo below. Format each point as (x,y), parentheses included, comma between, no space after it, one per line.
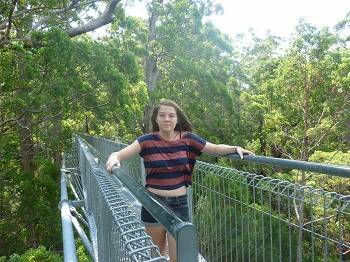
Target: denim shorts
(178,204)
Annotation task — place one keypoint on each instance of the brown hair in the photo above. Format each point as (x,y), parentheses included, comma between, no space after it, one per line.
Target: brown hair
(183,124)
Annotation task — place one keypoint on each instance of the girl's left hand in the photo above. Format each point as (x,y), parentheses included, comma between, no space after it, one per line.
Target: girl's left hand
(241,152)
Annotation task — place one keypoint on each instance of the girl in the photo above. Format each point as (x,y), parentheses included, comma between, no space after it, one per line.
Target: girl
(169,154)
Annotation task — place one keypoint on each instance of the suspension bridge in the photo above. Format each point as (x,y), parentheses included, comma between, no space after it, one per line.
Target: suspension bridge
(235,215)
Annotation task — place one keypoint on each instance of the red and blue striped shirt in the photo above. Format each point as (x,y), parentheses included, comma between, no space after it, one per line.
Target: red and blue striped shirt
(169,164)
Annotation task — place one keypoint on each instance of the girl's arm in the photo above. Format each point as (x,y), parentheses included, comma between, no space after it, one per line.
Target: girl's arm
(127,152)
(222,149)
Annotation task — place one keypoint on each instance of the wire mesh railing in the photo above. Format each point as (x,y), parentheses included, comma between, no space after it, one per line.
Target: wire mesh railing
(115,230)
(242,216)
(104,147)
(131,174)
(247,217)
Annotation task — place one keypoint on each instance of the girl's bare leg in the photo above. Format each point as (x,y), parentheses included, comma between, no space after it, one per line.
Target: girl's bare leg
(158,235)
(172,247)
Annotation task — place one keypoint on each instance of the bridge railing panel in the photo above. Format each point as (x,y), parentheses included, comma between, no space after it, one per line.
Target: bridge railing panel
(247,217)
(242,216)
(131,175)
(116,232)
(104,147)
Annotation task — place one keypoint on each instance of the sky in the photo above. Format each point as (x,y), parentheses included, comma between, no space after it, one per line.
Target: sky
(280,17)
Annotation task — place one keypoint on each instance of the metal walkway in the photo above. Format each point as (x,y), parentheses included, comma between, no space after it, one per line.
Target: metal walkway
(238,216)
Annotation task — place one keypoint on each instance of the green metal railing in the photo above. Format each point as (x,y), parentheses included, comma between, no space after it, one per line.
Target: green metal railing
(246,217)
(131,174)
(241,216)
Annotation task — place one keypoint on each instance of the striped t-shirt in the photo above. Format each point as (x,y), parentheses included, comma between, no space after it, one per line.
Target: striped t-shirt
(169,164)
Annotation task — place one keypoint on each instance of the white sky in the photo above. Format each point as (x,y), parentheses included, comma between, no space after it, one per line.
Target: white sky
(278,16)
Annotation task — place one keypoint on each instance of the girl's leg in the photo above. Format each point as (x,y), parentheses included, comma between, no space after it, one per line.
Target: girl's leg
(172,247)
(158,235)
(180,206)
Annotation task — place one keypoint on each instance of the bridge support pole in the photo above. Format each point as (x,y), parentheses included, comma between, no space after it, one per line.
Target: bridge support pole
(67,229)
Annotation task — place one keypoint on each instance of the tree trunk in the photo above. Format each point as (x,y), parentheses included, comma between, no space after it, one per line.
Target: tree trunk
(300,211)
(87,129)
(151,73)
(146,121)
(151,69)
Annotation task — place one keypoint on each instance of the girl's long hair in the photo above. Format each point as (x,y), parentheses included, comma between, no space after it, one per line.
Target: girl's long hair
(183,124)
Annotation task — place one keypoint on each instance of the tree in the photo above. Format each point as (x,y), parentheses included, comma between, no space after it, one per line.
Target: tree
(303,112)
(256,71)
(174,29)
(24,25)
(51,86)
(20,19)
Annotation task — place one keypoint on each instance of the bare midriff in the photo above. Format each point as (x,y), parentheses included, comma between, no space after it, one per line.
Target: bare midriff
(169,193)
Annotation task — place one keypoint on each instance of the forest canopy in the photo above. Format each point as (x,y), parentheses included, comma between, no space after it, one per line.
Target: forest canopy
(56,81)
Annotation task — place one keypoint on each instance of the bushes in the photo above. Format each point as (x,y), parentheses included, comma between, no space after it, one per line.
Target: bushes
(39,254)
(30,216)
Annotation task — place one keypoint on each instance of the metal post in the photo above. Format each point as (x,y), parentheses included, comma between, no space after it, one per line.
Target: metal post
(143,172)
(190,202)
(84,238)
(67,229)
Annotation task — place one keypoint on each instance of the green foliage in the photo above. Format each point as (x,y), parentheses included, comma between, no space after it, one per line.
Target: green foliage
(286,104)
(29,205)
(290,103)
(39,254)
(331,183)
(82,253)
(63,87)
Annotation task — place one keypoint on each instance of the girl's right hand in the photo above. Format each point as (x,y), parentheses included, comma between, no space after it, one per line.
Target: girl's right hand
(113,160)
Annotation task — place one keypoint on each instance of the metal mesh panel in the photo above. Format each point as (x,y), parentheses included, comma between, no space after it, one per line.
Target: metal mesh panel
(72,164)
(116,232)
(104,147)
(245,217)
(239,216)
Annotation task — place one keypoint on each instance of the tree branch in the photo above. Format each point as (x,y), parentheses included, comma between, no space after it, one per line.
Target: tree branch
(316,142)
(73,5)
(21,13)
(105,18)
(8,31)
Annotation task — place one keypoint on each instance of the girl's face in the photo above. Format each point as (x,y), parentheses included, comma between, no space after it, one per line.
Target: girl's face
(166,118)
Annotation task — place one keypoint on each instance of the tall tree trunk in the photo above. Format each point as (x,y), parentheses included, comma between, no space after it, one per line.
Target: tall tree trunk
(300,217)
(86,128)
(151,69)
(25,132)
(146,121)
